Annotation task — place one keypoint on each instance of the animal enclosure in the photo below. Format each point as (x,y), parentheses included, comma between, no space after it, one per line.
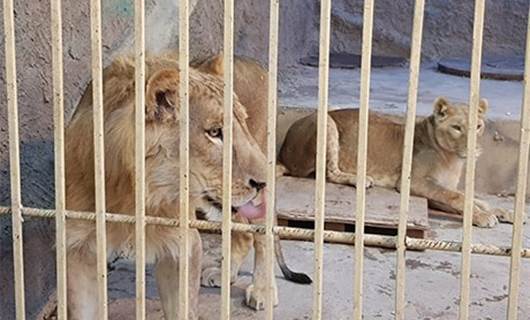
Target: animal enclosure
(319,235)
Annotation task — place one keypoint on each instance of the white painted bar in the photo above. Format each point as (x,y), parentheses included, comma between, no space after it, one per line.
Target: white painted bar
(320,191)
(474,99)
(408,147)
(520,197)
(99,154)
(271,154)
(14,157)
(368,18)
(228,61)
(139,60)
(184,162)
(60,184)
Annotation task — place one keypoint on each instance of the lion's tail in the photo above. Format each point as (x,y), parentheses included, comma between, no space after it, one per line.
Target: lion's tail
(290,275)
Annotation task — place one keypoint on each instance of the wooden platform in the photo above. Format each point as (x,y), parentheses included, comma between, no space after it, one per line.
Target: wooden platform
(295,200)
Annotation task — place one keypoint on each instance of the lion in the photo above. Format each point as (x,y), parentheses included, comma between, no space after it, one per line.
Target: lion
(162,176)
(250,85)
(438,158)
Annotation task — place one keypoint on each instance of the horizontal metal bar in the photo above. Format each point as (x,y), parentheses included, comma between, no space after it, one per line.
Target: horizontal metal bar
(371,240)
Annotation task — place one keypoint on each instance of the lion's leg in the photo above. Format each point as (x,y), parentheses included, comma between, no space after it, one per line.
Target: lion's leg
(240,247)
(167,279)
(256,294)
(334,173)
(82,288)
(452,202)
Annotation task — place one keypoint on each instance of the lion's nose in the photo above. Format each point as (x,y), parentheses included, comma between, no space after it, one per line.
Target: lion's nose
(257,185)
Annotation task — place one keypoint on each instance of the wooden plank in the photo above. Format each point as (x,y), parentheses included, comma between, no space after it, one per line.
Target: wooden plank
(295,202)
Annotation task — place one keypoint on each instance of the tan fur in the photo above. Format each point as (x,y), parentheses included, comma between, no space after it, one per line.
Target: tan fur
(162,173)
(250,84)
(439,154)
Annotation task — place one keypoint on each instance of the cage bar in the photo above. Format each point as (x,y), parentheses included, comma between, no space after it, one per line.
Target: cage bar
(139,81)
(60,186)
(228,61)
(474,99)
(14,157)
(368,18)
(520,197)
(99,156)
(320,190)
(271,154)
(408,143)
(184,163)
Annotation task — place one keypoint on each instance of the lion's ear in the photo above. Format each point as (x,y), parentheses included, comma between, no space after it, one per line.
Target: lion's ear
(440,107)
(214,65)
(162,96)
(482,106)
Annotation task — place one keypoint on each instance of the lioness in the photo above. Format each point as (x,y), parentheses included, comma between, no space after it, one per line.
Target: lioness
(439,154)
(162,176)
(250,85)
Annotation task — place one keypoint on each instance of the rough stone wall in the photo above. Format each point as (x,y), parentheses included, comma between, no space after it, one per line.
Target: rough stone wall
(448,28)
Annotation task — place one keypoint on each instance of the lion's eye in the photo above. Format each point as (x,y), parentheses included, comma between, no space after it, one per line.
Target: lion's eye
(457,127)
(216,133)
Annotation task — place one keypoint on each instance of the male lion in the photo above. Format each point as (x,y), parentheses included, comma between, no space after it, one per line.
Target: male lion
(439,154)
(250,85)
(162,175)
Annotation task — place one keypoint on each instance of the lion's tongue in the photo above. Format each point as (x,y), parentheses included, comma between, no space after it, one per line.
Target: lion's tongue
(251,211)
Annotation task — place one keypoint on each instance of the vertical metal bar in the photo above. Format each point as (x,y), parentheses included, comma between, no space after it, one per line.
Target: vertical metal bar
(60,193)
(368,17)
(99,160)
(408,143)
(14,156)
(471,155)
(184,158)
(139,32)
(520,197)
(320,191)
(271,153)
(228,61)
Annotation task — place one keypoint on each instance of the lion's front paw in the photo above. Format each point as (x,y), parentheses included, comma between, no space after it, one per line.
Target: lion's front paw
(369,182)
(211,277)
(256,297)
(485,220)
(504,215)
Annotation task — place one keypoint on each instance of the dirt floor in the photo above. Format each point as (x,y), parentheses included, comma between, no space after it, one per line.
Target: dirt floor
(432,281)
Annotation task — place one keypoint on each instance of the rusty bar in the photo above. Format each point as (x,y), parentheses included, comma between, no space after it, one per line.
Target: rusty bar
(408,143)
(320,190)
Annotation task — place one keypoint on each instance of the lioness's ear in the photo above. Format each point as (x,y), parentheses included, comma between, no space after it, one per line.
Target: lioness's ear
(213,66)
(162,96)
(441,107)
(482,106)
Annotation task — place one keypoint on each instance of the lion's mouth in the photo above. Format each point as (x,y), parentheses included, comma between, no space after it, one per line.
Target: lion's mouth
(253,209)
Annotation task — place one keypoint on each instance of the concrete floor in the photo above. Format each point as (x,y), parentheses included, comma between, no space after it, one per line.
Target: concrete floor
(389,88)
(432,281)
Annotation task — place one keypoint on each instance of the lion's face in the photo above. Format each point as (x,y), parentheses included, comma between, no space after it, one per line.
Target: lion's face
(206,142)
(451,124)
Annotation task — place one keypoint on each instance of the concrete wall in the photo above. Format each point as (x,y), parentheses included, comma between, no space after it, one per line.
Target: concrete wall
(447,32)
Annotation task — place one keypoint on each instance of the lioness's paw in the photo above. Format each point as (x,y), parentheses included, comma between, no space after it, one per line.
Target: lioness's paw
(485,220)
(256,297)
(504,215)
(211,277)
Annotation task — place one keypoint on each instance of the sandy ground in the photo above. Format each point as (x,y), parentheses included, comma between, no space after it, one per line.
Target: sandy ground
(432,281)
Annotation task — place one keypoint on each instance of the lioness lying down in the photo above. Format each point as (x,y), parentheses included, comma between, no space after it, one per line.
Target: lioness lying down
(439,155)
(162,177)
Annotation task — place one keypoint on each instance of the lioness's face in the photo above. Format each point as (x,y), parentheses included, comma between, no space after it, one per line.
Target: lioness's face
(206,145)
(451,125)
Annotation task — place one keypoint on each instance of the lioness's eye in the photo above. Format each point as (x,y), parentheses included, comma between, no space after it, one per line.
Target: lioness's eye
(457,128)
(215,133)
